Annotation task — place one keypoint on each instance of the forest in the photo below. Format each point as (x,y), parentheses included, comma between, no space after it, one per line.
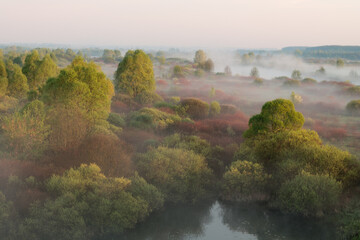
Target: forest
(96,141)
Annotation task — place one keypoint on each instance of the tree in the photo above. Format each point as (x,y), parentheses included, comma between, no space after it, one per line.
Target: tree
(2,69)
(227,71)
(244,181)
(195,108)
(46,69)
(275,115)
(108,56)
(254,72)
(200,57)
(214,109)
(134,74)
(309,81)
(7,218)
(18,86)
(309,195)
(340,63)
(321,71)
(181,175)
(26,131)
(58,219)
(91,202)
(38,71)
(296,74)
(30,66)
(209,65)
(81,86)
(353,106)
(295,98)
(3,78)
(178,71)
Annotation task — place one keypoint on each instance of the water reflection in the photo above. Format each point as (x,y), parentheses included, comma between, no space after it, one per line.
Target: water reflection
(213,221)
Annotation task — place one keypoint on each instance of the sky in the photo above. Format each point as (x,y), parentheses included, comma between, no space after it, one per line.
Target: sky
(181,23)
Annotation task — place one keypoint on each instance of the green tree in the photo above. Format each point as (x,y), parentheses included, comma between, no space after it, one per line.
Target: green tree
(7,218)
(46,69)
(227,71)
(275,115)
(178,71)
(195,108)
(340,63)
(56,219)
(39,71)
(135,74)
(82,86)
(200,57)
(214,109)
(296,74)
(180,174)
(209,65)
(18,86)
(244,181)
(111,207)
(309,195)
(108,56)
(3,78)
(353,106)
(321,71)
(26,131)
(254,72)
(30,67)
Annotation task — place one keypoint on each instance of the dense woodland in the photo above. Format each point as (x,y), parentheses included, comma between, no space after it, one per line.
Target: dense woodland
(88,156)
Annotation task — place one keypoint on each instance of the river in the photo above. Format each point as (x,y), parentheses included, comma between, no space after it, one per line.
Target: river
(223,221)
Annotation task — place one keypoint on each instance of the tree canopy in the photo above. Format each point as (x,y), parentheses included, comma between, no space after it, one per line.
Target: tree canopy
(135,74)
(83,86)
(275,115)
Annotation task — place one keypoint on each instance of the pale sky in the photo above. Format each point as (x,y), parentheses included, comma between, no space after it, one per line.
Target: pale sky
(181,23)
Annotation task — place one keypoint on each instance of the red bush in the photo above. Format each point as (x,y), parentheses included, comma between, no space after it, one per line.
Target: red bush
(161,82)
(329,132)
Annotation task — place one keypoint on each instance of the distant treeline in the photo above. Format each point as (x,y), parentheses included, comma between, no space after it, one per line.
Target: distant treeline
(346,52)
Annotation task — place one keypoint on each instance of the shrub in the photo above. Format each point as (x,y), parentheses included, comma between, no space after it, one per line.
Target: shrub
(275,115)
(57,219)
(214,109)
(7,218)
(105,204)
(349,221)
(148,118)
(258,81)
(244,181)
(146,98)
(112,155)
(195,108)
(26,131)
(353,106)
(309,195)
(140,188)
(309,81)
(174,100)
(180,174)
(228,109)
(292,83)
(355,90)
(116,119)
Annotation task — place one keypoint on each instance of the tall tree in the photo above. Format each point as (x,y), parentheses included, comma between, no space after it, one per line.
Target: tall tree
(3,78)
(275,115)
(200,57)
(135,74)
(30,66)
(18,86)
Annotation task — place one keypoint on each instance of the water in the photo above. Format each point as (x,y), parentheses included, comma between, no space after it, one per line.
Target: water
(220,221)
